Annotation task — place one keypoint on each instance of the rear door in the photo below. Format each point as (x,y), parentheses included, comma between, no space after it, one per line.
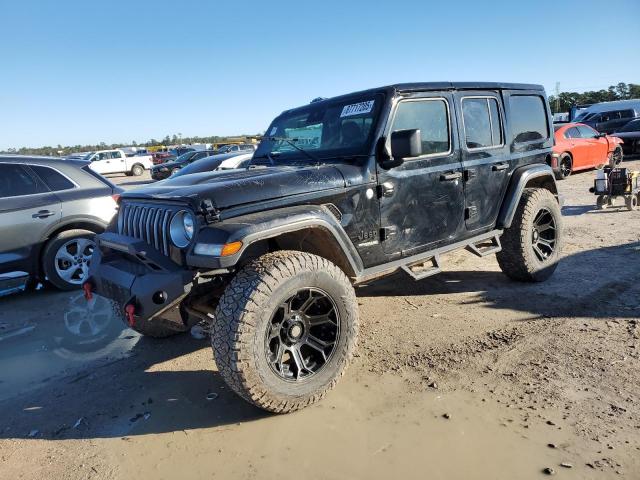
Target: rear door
(485,156)
(422,200)
(27,210)
(119,162)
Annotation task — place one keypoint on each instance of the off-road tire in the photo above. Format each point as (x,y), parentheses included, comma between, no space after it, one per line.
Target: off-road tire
(517,258)
(245,312)
(631,202)
(137,170)
(49,253)
(562,174)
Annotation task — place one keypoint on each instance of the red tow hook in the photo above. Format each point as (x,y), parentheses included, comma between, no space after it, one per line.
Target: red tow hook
(130,311)
(88,290)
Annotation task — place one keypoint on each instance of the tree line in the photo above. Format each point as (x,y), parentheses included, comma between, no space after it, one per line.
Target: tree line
(176,139)
(565,100)
(559,103)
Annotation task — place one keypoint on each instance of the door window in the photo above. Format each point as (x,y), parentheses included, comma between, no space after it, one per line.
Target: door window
(431,117)
(528,118)
(482,126)
(586,132)
(52,178)
(15,181)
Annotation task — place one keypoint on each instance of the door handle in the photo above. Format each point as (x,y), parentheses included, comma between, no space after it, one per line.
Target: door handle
(447,177)
(500,166)
(43,214)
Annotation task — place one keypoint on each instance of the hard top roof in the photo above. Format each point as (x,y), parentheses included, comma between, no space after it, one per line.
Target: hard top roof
(429,86)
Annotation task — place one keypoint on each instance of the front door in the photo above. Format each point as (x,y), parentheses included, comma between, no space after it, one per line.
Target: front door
(598,147)
(485,156)
(422,200)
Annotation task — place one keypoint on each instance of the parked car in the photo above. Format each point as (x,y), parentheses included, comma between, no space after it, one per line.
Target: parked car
(243,147)
(344,191)
(160,157)
(115,161)
(630,135)
(164,170)
(50,210)
(180,151)
(579,147)
(214,162)
(607,117)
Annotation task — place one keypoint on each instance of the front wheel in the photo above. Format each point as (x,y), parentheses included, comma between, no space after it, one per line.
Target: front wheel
(285,330)
(531,245)
(616,157)
(67,257)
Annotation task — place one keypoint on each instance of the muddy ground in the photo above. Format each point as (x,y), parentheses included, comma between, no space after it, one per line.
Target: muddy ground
(463,375)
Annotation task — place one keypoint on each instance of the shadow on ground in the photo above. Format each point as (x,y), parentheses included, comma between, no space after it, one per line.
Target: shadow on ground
(146,389)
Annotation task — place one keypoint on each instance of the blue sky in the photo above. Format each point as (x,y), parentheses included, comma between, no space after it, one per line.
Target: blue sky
(116,71)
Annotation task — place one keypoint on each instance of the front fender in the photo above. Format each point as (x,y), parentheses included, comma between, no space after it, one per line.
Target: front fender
(259,226)
(538,174)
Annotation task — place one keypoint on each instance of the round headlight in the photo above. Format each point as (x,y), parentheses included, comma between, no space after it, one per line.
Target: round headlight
(189,225)
(181,228)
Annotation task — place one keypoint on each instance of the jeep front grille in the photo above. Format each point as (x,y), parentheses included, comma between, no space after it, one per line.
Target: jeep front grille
(146,222)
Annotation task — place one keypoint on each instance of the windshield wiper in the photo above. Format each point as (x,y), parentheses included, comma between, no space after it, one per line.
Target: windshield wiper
(266,155)
(291,141)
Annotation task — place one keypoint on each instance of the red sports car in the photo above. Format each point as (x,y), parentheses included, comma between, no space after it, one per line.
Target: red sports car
(579,147)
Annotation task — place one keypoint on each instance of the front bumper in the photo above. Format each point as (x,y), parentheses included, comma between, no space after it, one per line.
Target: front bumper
(129,273)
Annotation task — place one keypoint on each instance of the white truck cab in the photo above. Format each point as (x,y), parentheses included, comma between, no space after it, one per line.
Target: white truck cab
(115,161)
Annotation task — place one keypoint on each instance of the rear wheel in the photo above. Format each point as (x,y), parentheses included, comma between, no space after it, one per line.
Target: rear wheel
(531,245)
(67,257)
(137,170)
(285,330)
(632,202)
(565,166)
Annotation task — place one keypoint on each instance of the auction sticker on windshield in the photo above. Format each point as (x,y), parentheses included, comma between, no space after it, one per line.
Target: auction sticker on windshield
(357,108)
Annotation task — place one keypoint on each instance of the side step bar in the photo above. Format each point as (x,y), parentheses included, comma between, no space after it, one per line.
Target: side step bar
(485,247)
(423,269)
(427,263)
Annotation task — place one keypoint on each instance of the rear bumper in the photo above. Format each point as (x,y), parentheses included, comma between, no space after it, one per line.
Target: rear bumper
(154,286)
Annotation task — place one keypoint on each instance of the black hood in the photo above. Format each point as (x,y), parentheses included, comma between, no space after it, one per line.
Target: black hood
(229,188)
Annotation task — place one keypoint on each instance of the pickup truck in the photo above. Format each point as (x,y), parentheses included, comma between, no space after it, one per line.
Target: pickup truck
(115,161)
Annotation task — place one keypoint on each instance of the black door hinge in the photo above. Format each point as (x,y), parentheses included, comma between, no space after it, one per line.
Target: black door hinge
(385,190)
(470,212)
(387,232)
(469,174)
(211,213)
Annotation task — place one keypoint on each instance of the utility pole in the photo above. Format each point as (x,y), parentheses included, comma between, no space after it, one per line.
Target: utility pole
(557,97)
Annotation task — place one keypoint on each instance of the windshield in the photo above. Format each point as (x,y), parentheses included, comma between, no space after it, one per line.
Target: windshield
(323,130)
(184,157)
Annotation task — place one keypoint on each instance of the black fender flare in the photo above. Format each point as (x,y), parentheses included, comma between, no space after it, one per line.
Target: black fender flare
(255,227)
(522,177)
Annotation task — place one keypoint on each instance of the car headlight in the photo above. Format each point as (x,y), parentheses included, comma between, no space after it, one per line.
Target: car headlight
(181,229)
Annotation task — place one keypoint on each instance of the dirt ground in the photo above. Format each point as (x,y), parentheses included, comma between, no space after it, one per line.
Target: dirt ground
(464,375)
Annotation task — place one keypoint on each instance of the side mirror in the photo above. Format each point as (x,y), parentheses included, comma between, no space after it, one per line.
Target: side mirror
(406,144)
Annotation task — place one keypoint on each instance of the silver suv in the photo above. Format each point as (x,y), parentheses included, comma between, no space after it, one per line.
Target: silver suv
(50,210)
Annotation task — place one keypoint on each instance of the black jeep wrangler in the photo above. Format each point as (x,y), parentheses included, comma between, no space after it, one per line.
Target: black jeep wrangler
(339,192)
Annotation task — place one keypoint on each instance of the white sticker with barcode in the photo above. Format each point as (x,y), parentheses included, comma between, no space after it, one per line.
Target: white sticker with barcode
(357,108)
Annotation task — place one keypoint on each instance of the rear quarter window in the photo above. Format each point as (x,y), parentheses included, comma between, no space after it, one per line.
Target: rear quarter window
(52,178)
(528,118)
